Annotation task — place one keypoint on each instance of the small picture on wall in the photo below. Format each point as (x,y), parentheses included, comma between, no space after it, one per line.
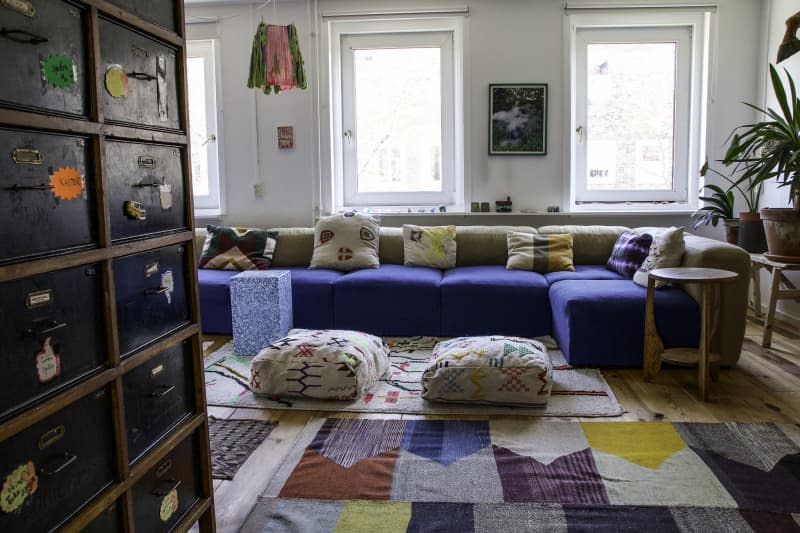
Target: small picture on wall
(518,119)
(285,137)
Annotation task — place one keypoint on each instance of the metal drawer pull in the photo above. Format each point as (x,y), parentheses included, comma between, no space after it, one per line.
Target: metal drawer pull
(51,327)
(143,76)
(153,184)
(173,485)
(22,36)
(69,458)
(156,290)
(42,187)
(165,389)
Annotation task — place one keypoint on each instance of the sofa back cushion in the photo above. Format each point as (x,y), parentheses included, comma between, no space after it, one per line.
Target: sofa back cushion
(592,245)
(295,247)
(485,245)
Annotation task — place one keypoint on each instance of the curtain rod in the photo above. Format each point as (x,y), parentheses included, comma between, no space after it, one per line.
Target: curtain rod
(411,12)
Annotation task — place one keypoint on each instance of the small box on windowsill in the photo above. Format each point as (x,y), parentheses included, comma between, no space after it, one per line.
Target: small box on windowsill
(503,206)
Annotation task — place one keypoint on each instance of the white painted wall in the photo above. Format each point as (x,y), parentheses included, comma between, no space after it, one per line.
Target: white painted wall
(510,41)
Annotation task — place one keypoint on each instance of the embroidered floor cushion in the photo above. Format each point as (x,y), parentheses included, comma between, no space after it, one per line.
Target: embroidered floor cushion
(327,364)
(492,370)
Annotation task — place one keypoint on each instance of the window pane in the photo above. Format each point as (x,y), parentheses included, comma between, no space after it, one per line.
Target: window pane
(630,116)
(196,77)
(398,119)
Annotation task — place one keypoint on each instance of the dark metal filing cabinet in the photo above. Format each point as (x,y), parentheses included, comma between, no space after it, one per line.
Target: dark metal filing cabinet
(158,395)
(52,328)
(164,494)
(145,189)
(46,194)
(57,466)
(109,521)
(152,295)
(43,57)
(140,77)
(161,12)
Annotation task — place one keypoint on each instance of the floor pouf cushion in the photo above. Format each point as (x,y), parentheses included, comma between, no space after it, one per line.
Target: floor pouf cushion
(331,364)
(494,370)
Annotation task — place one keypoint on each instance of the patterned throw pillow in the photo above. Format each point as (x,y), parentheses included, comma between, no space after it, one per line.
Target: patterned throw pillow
(666,251)
(539,253)
(346,241)
(238,248)
(629,252)
(432,246)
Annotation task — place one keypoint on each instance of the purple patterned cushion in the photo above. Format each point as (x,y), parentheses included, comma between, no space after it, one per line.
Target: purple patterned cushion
(629,253)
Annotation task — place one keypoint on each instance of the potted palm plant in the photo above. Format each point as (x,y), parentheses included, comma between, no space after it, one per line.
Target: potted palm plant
(770,149)
(718,206)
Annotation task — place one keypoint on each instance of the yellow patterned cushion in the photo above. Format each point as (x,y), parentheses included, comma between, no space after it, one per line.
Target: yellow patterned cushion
(432,246)
(539,253)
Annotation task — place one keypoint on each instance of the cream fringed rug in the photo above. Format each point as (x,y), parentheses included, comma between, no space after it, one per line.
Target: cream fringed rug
(576,391)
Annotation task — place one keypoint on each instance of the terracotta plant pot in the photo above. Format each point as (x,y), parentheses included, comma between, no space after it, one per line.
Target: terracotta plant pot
(731,226)
(782,227)
(751,233)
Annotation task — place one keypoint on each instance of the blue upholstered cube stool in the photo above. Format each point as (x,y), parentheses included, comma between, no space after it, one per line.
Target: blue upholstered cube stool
(261,308)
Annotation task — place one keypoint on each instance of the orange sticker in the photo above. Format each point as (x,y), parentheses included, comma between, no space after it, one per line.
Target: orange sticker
(67,183)
(19,484)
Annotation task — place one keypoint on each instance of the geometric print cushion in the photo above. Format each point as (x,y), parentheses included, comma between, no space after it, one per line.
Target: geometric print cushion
(238,248)
(629,253)
(324,364)
(346,241)
(433,247)
(492,370)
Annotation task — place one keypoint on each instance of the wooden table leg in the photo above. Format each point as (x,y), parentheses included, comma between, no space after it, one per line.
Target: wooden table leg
(653,346)
(705,331)
(756,282)
(766,339)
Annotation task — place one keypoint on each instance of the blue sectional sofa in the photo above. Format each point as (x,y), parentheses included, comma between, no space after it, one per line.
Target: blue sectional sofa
(595,315)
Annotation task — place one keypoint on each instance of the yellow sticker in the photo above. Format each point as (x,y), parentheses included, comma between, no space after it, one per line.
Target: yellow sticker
(116,81)
(19,484)
(169,505)
(67,183)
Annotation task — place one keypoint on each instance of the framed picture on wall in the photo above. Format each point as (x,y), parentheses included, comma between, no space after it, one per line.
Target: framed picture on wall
(518,119)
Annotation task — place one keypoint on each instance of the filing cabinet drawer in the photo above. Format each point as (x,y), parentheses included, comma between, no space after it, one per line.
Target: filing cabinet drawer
(43,57)
(152,295)
(46,194)
(52,328)
(109,521)
(140,79)
(55,467)
(145,189)
(161,12)
(167,492)
(158,395)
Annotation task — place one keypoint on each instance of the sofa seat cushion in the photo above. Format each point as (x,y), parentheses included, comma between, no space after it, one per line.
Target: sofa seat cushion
(326,364)
(583,272)
(487,300)
(493,370)
(215,300)
(601,323)
(390,300)
(312,296)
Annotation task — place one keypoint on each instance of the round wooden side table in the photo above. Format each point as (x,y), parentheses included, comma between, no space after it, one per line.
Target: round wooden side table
(654,352)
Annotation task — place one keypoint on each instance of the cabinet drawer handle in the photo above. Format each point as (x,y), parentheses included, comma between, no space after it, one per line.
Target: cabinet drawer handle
(173,485)
(22,36)
(51,327)
(143,76)
(42,187)
(156,290)
(69,458)
(162,391)
(142,184)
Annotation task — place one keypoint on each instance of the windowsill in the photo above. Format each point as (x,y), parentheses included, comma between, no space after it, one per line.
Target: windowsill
(208,213)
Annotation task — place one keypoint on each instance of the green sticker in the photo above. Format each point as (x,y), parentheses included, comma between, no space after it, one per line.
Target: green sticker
(59,71)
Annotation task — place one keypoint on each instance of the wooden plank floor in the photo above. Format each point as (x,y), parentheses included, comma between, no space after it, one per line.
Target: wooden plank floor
(764,387)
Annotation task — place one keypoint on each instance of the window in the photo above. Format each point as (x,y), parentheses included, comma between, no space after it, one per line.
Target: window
(637,108)
(202,83)
(396,107)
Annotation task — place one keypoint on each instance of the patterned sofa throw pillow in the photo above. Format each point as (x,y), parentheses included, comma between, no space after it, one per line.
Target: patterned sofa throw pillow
(346,241)
(629,253)
(327,364)
(665,252)
(493,370)
(539,253)
(431,246)
(237,248)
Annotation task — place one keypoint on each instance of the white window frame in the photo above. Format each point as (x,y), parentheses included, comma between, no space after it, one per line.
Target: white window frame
(202,42)
(690,29)
(446,32)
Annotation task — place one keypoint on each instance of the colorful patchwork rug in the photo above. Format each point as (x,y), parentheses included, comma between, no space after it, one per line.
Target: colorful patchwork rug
(576,391)
(365,475)
(232,441)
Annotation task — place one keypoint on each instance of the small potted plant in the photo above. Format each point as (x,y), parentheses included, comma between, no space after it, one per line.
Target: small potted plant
(718,206)
(770,150)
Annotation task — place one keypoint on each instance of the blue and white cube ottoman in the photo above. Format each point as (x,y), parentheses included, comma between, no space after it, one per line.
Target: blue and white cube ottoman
(492,370)
(330,364)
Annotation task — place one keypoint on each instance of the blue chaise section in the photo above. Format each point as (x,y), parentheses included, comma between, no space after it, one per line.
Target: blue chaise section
(214,287)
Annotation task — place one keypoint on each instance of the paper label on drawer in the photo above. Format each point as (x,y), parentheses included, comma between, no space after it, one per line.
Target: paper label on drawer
(168,282)
(116,81)
(165,195)
(59,71)
(18,485)
(169,505)
(67,183)
(48,362)
(39,298)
